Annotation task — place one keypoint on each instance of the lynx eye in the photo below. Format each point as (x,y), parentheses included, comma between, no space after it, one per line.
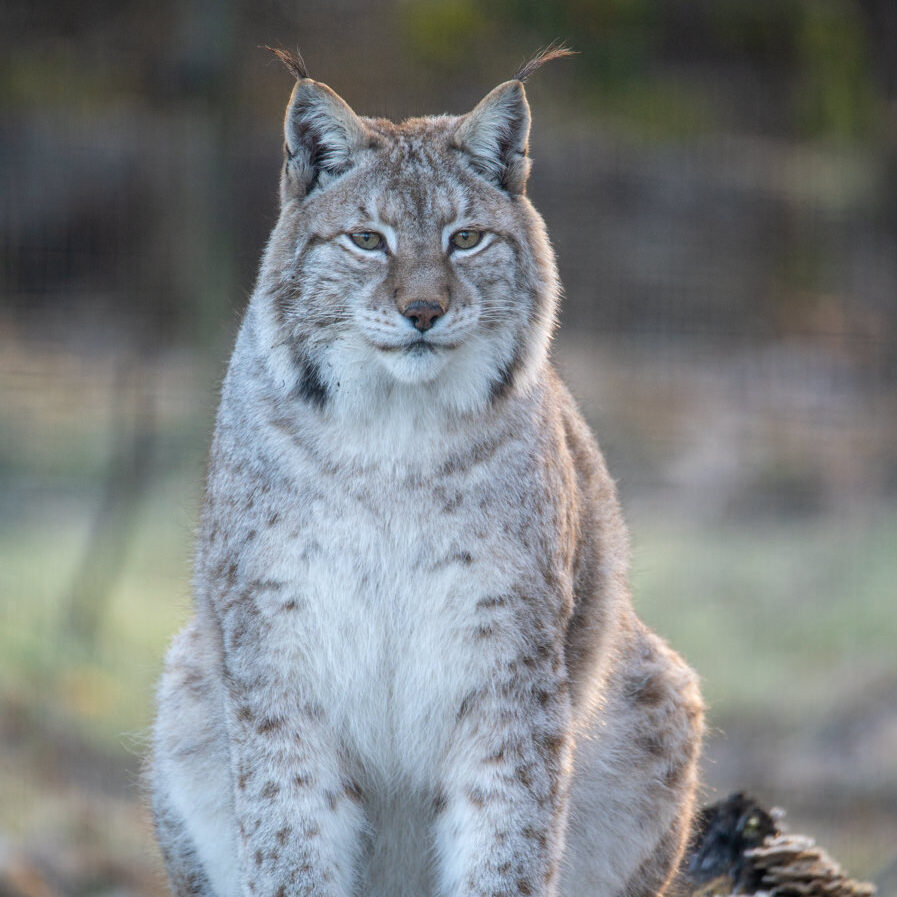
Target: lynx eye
(368,239)
(466,238)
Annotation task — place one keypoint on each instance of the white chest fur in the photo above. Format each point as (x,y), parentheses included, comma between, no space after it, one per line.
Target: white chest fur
(370,585)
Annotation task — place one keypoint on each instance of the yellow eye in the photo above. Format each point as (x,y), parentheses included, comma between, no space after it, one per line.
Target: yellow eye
(368,239)
(466,238)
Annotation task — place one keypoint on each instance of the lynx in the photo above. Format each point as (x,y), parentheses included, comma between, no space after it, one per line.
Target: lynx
(413,667)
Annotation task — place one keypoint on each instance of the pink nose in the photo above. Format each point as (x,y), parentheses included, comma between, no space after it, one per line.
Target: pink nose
(423,314)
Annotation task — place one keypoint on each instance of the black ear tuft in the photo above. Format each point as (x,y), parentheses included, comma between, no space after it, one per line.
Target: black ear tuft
(293,61)
(557,49)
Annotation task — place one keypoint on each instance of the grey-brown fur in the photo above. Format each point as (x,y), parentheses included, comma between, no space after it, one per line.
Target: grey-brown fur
(413,667)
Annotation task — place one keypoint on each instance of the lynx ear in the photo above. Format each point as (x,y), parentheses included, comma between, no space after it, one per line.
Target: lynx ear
(495,135)
(321,135)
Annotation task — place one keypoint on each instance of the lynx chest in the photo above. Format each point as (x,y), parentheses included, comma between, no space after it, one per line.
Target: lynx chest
(388,599)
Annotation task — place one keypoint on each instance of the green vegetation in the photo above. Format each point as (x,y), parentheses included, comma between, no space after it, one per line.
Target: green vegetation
(105,690)
(639,58)
(784,618)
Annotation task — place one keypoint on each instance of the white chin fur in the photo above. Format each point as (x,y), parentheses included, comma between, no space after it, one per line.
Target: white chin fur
(414,366)
(367,382)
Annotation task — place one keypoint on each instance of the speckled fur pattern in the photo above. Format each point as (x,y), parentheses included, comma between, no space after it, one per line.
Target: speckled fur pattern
(413,667)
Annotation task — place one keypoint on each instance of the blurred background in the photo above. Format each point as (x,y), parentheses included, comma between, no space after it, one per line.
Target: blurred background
(719,178)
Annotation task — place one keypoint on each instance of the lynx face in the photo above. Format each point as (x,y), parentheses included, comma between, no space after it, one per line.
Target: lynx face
(407,259)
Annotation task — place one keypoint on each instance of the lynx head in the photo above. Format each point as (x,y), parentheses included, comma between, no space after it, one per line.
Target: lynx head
(407,261)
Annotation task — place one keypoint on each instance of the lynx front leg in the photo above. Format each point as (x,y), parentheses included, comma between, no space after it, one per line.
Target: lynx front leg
(502,809)
(298,815)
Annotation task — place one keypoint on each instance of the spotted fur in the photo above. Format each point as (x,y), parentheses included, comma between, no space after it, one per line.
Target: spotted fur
(413,667)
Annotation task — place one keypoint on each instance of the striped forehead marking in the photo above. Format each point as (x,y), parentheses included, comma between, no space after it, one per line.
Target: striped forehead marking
(417,186)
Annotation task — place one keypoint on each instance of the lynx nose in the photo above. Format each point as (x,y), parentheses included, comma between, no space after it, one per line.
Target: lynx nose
(423,314)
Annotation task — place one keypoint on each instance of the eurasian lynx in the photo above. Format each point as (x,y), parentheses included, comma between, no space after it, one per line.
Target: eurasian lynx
(413,667)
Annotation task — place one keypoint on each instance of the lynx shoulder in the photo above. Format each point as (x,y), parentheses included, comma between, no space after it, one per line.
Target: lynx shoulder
(413,667)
